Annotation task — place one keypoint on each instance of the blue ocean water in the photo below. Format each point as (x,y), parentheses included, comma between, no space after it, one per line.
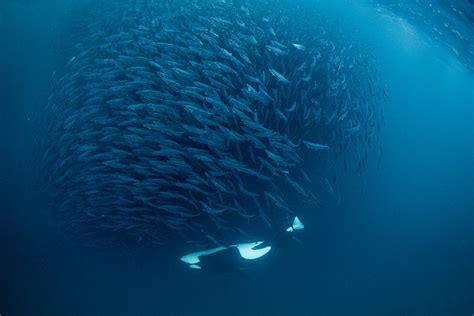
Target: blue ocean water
(399,240)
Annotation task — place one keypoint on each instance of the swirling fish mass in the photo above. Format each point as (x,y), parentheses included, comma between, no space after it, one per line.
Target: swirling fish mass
(202,121)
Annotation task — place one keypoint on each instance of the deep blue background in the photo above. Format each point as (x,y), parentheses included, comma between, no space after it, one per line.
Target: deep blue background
(404,247)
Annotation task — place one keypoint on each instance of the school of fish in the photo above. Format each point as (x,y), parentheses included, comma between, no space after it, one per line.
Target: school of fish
(200,121)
